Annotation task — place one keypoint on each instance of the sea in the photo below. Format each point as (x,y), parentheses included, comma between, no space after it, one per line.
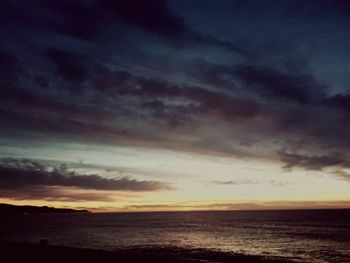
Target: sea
(315,236)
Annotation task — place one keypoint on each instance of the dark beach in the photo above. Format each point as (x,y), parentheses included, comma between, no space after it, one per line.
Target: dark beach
(12,251)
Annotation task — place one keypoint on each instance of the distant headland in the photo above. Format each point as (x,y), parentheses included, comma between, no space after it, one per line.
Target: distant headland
(28,209)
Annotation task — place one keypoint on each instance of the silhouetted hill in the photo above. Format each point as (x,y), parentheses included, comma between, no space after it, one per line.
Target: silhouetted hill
(28,209)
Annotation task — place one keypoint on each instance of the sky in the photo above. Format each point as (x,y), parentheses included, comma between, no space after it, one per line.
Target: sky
(156,105)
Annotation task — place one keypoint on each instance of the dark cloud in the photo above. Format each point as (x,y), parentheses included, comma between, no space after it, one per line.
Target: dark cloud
(69,66)
(85,19)
(214,102)
(138,73)
(330,7)
(312,162)
(339,101)
(342,175)
(290,9)
(16,174)
(151,15)
(54,193)
(78,20)
(8,68)
(270,83)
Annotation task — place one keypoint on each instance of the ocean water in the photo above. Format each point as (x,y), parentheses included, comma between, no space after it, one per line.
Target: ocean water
(304,236)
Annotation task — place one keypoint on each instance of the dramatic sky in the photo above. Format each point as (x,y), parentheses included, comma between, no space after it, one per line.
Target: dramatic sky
(175,105)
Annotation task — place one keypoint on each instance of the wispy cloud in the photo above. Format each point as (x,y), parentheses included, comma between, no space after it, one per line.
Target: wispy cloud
(242,206)
(247,181)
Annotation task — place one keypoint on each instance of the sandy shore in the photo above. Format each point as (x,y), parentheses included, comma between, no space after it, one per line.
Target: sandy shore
(28,252)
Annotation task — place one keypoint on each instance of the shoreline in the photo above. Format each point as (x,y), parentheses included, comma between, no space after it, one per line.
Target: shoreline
(15,251)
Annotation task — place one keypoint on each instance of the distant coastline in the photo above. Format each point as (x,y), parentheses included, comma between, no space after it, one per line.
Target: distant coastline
(28,209)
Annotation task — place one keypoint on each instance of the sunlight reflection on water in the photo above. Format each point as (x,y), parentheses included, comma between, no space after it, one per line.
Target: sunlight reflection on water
(315,236)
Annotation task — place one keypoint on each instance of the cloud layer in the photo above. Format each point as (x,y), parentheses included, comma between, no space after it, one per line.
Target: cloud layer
(147,73)
(26,179)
